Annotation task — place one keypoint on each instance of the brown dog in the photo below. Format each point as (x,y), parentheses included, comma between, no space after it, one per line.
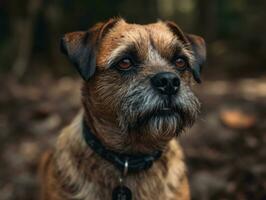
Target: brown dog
(136,97)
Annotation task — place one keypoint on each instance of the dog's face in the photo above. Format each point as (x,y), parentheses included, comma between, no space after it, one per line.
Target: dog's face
(138,77)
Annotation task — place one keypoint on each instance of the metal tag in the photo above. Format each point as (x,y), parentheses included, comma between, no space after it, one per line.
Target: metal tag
(121,193)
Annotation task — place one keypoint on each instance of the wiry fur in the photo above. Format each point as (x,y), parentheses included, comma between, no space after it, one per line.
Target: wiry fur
(126,113)
(76,172)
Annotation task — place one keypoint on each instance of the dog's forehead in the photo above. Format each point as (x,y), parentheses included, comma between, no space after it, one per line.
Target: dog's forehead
(123,35)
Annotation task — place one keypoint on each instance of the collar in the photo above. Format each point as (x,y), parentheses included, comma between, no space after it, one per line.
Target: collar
(134,163)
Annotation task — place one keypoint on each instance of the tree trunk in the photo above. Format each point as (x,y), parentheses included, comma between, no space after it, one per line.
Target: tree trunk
(23,30)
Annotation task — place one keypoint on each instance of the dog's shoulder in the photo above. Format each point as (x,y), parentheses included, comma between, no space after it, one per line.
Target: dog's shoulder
(45,172)
(47,164)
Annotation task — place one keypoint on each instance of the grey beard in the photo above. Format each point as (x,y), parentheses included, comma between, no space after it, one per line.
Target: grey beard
(140,106)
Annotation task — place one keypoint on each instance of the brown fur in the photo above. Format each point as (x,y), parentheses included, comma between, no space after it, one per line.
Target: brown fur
(75,171)
(72,170)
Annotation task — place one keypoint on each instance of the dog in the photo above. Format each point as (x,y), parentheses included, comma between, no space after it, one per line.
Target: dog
(137,98)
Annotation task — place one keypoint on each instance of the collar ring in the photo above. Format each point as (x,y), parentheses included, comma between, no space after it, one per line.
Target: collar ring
(125,168)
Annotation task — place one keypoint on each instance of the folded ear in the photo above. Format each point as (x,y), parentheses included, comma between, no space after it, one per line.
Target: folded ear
(199,50)
(80,52)
(81,47)
(196,44)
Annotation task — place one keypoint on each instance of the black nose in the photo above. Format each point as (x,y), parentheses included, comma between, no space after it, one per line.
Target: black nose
(166,83)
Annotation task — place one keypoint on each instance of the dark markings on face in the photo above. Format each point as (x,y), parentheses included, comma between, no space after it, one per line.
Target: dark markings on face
(133,53)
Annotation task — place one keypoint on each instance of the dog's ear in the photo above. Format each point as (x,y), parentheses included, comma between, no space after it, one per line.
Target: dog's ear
(199,50)
(81,47)
(80,52)
(197,45)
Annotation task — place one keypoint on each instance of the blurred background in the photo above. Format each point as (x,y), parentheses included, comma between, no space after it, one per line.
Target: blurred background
(226,148)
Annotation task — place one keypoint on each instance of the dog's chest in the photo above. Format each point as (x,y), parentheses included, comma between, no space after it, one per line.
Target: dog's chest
(93,178)
(145,186)
(158,191)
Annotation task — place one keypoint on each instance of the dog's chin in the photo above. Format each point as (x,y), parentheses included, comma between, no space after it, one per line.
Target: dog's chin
(163,118)
(158,127)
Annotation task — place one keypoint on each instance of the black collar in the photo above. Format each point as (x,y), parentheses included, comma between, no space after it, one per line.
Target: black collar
(135,163)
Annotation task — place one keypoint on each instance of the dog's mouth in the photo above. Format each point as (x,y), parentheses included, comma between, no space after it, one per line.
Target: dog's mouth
(162,113)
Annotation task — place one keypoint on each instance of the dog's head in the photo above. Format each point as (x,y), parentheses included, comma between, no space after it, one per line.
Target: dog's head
(138,77)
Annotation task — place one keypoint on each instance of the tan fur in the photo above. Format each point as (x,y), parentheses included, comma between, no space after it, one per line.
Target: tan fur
(74,171)
(112,105)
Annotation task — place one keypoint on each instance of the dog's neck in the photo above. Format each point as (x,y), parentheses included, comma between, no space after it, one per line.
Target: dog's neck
(126,163)
(78,165)
(109,135)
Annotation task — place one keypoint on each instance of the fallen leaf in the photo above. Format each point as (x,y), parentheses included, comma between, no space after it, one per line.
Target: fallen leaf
(236,118)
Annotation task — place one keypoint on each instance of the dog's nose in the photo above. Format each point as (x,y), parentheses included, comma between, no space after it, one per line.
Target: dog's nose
(166,83)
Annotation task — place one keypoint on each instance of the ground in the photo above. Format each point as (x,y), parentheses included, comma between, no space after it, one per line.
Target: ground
(225,150)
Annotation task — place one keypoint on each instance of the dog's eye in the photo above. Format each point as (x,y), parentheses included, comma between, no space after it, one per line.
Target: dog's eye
(125,64)
(180,63)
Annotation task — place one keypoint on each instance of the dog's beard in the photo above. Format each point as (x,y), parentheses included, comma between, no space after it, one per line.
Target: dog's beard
(146,115)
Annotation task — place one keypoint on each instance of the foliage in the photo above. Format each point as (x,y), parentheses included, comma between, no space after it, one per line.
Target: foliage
(233,30)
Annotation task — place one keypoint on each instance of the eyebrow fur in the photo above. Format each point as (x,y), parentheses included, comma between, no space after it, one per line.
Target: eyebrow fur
(121,51)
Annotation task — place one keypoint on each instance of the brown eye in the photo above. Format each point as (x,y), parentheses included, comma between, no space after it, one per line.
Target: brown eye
(124,64)
(181,63)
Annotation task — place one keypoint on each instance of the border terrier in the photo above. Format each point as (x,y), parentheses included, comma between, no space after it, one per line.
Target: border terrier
(137,98)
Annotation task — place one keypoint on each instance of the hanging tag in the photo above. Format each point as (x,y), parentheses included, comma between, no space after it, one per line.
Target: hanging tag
(121,193)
